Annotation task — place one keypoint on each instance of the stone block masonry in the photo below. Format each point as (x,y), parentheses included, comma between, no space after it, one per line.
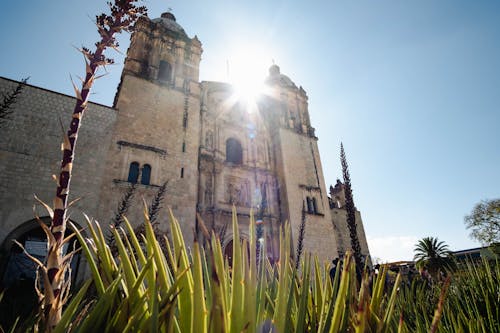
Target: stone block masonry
(30,153)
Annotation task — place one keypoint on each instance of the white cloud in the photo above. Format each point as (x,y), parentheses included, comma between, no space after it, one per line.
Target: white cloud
(392,248)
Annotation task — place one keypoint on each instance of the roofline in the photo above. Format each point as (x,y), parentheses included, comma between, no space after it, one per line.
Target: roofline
(470,250)
(55,92)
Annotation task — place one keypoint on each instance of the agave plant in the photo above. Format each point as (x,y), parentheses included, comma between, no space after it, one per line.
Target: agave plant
(176,289)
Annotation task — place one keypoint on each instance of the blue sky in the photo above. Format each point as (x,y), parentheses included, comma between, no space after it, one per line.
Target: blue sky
(412,89)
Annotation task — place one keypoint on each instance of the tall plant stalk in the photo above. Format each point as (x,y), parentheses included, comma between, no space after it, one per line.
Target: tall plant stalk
(155,206)
(351,212)
(9,99)
(302,234)
(124,14)
(121,211)
(123,206)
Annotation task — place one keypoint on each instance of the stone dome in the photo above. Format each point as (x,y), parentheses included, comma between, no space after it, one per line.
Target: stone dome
(168,21)
(275,77)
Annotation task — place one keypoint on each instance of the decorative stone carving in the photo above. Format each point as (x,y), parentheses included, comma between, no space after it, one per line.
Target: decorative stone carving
(237,192)
(208,191)
(209,139)
(261,152)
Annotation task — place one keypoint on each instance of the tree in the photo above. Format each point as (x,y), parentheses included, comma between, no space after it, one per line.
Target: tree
(484,222)
(433,255)
(351,213)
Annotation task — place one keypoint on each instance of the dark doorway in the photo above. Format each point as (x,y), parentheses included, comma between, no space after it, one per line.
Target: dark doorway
(18,271)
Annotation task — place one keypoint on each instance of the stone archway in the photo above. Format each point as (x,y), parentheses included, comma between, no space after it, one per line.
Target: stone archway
(18,271)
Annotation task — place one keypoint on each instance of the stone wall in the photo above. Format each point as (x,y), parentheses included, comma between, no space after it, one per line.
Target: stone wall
(151,129)
(166,120)
(339,220)
(300,157)
(30,153)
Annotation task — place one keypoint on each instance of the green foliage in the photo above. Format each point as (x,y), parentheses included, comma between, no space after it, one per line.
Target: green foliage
(137,291)
(484,222)
(472,302)
(433,255)
(149,288)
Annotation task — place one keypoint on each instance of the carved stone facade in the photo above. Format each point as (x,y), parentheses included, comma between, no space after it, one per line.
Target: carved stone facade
(167,126)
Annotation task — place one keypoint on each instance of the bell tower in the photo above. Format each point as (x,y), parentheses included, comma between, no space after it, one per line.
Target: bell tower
(161,52)
(156,134)
(298,165)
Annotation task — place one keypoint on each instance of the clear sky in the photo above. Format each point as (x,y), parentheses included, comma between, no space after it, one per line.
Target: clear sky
(412,89)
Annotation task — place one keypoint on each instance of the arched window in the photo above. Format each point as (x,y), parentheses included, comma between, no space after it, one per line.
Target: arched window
(165,71)
(146,174)
(234,153)
(133,172)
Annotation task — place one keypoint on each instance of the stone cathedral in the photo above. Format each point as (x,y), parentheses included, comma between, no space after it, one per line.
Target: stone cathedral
(168,127)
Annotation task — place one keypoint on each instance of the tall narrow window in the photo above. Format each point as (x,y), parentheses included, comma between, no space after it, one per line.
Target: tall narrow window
(315,206)
(165,71)
(183,146)
(234,152)
(182,172)
(309,205)
(133,172)
(146,174)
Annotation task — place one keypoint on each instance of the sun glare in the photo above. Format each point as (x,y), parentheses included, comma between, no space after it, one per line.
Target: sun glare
(247,70)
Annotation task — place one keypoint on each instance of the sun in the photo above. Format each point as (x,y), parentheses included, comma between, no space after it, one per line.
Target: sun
(247,69)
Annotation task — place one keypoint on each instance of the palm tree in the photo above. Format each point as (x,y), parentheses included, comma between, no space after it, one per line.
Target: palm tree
(433,255)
